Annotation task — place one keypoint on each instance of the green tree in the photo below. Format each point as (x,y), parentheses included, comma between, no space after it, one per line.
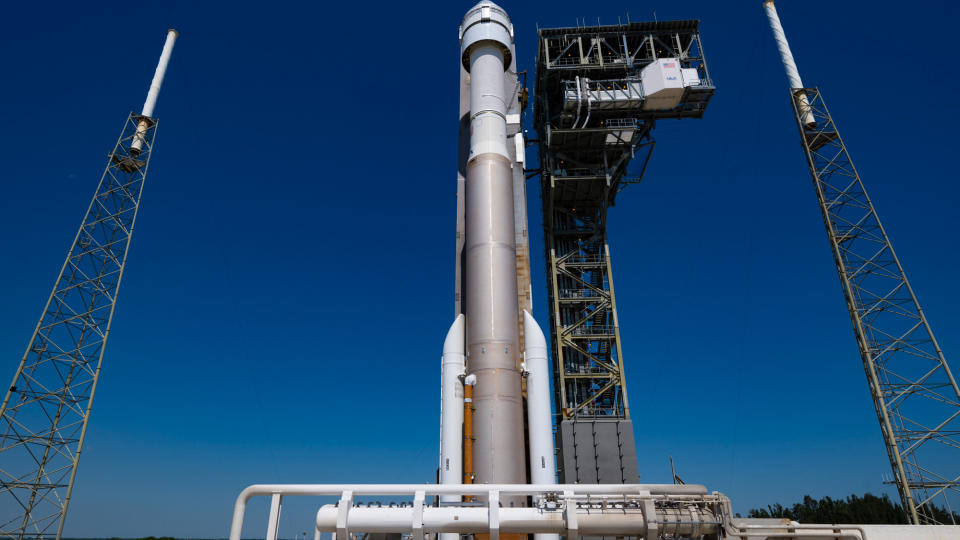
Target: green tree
(868,509)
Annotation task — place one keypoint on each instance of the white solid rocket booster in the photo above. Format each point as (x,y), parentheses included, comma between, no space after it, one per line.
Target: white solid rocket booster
(451,408)
(543,466)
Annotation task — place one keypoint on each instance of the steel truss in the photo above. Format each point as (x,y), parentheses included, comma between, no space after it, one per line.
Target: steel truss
(915,394)
(584,154)
(44,415)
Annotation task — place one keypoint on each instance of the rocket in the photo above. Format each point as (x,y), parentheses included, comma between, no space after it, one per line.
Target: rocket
(482,348)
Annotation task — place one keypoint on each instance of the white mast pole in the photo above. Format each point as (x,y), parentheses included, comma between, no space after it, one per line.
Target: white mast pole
(789,66)
(151,101)
(155,84)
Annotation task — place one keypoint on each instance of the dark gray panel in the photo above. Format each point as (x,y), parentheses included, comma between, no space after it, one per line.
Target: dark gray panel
(628,452)
(598,451)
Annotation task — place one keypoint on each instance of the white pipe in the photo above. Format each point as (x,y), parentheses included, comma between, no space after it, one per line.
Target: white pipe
(139,139)
(789,65)
(451,408)
(273,521)
(579,103)
(543,466)
(781,38)
(610,521)
(151,101)
(240,506)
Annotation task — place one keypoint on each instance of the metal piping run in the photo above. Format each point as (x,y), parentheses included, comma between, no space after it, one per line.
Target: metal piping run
(351,490)
(479,520)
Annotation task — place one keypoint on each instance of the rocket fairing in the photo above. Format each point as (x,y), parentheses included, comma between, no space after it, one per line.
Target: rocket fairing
(489,328)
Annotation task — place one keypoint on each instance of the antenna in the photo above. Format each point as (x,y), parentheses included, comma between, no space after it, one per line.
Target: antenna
(46,410)
(915,394)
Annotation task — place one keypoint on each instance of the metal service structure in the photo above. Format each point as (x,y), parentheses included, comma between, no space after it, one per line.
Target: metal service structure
(600,91)
(915,393)
(47,407)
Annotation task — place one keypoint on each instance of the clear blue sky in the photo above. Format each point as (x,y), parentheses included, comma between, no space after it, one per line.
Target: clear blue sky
(291,275)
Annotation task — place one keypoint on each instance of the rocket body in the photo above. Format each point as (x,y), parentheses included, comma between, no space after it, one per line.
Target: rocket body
(490,274)
(484,342)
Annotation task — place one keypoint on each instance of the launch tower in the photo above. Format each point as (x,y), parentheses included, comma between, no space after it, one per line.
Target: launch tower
(44,416)
(600,90)
(914,392)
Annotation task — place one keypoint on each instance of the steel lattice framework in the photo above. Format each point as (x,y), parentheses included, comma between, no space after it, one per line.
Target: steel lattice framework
(585,150)
(915,394)
(44,415)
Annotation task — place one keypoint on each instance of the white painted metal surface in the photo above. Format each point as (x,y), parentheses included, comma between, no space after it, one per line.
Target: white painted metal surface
(748,529)
(451,407)
(690,77)
(789,65)
(157,81)
(477,520)
(786,55)
(662,84)
(664,509)
(347,493)
(138,140)
(451,411)
(543,466)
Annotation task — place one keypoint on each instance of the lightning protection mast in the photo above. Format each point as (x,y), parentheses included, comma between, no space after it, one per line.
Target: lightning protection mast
(913,390)
(45,413)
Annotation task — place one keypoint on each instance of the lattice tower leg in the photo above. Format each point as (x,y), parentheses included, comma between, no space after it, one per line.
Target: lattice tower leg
(44,416)
(914,392)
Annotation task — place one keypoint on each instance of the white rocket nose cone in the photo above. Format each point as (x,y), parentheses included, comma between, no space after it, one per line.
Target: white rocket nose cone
(486,3)
(483,23)
(492,8)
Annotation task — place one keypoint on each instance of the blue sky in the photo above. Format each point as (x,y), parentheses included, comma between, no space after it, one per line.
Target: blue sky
(291,276)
